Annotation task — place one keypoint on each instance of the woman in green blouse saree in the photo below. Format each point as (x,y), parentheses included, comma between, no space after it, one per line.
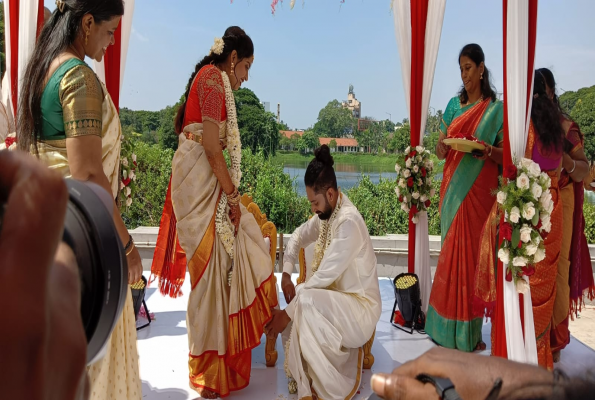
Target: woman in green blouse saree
(465,202)
(66,118)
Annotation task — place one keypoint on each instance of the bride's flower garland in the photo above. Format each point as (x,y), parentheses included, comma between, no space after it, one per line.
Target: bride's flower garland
(223,226)
(322,243)
(325,237)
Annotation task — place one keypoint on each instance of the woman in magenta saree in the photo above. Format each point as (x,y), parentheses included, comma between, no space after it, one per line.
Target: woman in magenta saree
(575,275)
(465,202)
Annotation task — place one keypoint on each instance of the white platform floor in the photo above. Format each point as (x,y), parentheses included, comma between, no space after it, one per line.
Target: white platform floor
(163,350)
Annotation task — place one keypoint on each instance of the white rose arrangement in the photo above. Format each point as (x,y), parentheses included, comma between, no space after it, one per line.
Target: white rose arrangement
(414,188)
(525,198)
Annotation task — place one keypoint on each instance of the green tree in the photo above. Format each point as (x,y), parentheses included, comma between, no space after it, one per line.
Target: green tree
(401,139)
(153,173)
(569,99)
(433,121)
(274,191)
(583,113)
(334,121)
(283,126)
(284,142)
(431,140)
(295,139)
(308,142)
(258,128)
(166,132)
(333,144)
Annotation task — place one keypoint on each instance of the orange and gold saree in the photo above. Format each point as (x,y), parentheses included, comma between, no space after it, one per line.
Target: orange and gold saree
(465,201)
(226,317)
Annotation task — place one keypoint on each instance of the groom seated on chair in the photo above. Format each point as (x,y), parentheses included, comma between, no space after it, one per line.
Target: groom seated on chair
(334,313)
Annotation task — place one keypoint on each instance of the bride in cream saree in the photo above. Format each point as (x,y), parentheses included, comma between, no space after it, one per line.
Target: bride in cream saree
(233,287)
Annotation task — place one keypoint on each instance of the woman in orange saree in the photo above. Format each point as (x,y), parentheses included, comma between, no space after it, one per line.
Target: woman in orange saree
(465,201)
(545,147)
(575,275)
(233,286)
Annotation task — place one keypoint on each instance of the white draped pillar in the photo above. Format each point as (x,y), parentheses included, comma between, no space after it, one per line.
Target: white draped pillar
(521,345)
(403,21)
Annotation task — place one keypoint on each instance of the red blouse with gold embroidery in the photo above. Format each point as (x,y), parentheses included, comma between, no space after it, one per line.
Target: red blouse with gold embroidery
(206,101)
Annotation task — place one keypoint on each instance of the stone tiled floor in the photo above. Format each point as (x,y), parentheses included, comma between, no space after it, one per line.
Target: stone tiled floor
(163,350)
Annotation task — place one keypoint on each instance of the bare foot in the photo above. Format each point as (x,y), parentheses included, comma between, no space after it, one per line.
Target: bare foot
(207,394)
(556,356)
(481,346)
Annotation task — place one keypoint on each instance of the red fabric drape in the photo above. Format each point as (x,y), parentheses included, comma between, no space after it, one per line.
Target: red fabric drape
(499,337)
(112,67)
(14,52)
(13,63)
(419,14)
(40,17)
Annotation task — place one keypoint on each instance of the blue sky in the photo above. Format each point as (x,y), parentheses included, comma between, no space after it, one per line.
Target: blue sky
(307,56)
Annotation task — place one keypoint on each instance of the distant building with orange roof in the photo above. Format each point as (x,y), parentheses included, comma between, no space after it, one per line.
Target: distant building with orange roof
(344,145)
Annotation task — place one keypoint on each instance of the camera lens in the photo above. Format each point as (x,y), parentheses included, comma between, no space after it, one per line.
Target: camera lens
(90,231)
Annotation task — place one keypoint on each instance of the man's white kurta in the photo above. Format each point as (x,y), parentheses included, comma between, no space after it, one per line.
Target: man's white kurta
(335,312)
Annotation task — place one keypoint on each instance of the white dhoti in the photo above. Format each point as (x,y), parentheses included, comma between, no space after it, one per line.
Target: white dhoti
(327,334)
(336,310)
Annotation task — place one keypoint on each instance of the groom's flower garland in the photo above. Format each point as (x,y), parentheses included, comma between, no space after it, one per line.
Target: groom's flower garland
(325,236)
(223,226)
(322,243)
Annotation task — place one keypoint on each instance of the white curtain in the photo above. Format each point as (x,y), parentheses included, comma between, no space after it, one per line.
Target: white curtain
(433,32)
(126,30)
(402,18)
(28,11)
(517,63)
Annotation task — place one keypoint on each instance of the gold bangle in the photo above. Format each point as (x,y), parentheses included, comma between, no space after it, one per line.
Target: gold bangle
(130,250)
(234,198)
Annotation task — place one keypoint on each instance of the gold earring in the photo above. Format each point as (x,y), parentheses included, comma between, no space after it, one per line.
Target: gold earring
(232,70)
(86,37)
(481,76)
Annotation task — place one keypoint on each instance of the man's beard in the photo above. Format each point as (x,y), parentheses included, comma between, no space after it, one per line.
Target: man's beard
(328,211)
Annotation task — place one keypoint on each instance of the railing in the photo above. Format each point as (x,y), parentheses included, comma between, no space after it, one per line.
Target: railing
(391,250)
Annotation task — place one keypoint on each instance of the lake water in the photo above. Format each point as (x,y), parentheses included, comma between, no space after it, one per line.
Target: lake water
(348,175)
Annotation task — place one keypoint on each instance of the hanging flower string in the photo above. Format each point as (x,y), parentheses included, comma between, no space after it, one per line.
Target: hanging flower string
(414,189)
(223,226)
(128,167)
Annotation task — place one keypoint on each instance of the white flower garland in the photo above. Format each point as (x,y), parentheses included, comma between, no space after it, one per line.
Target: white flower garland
(223,226)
